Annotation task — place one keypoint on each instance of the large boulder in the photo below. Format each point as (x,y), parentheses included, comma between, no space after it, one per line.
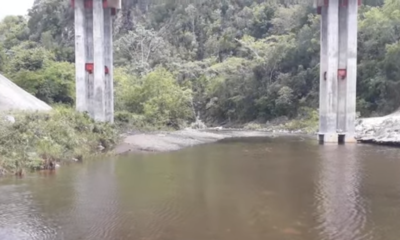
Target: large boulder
(13,97)
(380,129)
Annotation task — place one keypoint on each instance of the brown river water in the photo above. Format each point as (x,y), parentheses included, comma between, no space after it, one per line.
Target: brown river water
(240,189)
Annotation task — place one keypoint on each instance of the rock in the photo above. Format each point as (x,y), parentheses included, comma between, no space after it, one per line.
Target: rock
(216,128)
(9,119)
(198,124)
(379,130)
(101,147)
(78,158)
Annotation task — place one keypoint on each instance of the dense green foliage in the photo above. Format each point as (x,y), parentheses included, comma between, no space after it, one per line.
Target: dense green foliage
(38,140)
(156,97)
(229,61)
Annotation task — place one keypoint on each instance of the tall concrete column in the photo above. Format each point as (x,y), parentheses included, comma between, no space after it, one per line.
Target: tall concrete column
(108,61)
(94,57)
(338,69)
(342,80)
(331,87)
(89,60)
(352,12)
(80,56)
(99,106)
(323,121)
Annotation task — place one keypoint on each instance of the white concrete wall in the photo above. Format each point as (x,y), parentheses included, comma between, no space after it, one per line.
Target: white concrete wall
(323,69)
(332,67)
(351,69)
(98,59)
(13,97)
(342,91)
(80,56)
(108,61)
(89,59)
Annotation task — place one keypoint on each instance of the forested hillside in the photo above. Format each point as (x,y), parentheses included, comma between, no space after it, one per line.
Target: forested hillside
(228,61)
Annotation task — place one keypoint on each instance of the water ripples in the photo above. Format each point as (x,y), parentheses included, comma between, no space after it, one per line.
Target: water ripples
(298,191)
(341,211)
(19,218)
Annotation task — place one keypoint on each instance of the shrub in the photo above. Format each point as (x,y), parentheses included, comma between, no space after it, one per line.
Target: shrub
(54,83)
(156,97)
(127,121)
(38,140)
(307,121)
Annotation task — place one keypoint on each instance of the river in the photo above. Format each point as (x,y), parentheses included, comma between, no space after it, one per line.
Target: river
(240,189)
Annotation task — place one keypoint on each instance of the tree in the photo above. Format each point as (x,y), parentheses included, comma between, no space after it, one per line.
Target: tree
(228,60)
(157,97)
(143,49)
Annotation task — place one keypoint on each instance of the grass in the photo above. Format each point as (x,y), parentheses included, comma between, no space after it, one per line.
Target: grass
(40,140)
(307,121)
(253,126)
(126,121)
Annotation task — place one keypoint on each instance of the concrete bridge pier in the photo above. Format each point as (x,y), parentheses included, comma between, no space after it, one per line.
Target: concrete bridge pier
(338,70)
(94,57)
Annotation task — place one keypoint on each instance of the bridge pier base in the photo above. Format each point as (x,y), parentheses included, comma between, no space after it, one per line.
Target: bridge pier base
(94,57)
(328,138)
(338,70)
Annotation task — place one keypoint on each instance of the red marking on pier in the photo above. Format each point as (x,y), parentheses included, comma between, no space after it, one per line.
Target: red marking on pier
(342,73)
(89,67)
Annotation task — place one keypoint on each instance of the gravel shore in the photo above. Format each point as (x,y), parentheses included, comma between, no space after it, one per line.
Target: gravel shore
(380,130)
(171,141)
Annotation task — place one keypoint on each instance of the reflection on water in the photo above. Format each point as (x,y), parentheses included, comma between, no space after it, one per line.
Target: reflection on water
(341,209)
(281,188)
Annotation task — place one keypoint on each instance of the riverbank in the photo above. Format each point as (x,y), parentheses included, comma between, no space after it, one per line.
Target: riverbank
(306,124)
(172,141)
(41,140)
(381,130)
